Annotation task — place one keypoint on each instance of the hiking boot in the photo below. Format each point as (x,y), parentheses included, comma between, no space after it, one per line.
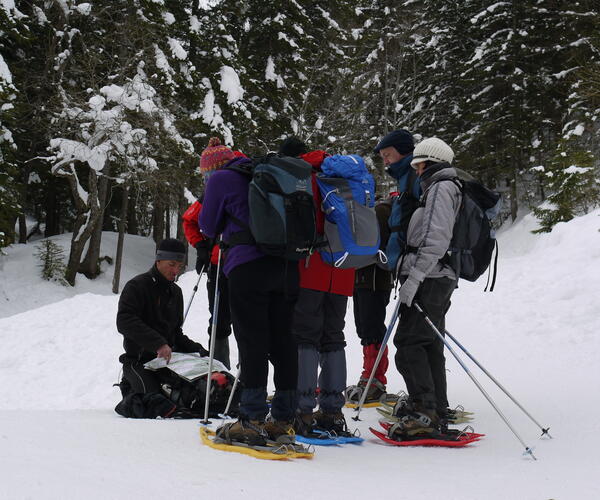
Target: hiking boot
(403,407)
(304,424)
(280,431)
(418,423)
(334,423)
(250,432)
(353,393)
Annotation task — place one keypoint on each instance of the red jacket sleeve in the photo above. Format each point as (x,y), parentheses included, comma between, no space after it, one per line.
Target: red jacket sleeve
(190,224)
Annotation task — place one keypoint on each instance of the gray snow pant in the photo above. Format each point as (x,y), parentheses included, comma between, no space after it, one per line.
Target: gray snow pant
(319,330)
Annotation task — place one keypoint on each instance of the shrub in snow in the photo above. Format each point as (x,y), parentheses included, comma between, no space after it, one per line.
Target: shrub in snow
(573,183)
(51,261)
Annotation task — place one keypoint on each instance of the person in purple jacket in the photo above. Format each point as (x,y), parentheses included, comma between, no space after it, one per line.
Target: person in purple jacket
(262,294)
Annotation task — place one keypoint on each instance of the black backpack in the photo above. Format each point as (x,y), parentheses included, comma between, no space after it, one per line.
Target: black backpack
(180,398)
(282,210)
(190,397)
(473,238)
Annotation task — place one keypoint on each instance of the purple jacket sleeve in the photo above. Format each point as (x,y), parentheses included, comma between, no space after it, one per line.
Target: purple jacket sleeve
(212,217)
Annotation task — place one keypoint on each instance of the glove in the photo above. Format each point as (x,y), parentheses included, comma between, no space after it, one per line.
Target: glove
(202,256)
(408,290)
(203,352)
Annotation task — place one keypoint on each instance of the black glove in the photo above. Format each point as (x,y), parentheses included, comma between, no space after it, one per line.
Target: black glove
(203,352)
(202,256)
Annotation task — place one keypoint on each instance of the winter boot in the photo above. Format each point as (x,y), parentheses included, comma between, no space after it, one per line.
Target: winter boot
(418,423)
(280,431)
(403,406)
(370,353)
(305,424)
(334,423)
(354,392)
(250,432)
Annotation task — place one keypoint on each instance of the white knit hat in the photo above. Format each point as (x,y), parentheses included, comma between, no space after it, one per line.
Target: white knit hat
(432,149)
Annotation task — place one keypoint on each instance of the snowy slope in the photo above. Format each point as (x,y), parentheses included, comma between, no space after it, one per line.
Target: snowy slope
(20,273)
(537,333)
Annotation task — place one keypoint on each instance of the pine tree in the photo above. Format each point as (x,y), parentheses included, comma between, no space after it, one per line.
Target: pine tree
(10,206)
(573,184)
(52,264)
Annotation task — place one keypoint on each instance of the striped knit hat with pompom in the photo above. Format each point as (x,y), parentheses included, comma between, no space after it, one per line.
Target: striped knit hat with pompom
(214,156)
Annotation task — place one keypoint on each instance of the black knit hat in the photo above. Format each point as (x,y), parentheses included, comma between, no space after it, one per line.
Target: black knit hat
(401,139)
(170,249)
(292,146)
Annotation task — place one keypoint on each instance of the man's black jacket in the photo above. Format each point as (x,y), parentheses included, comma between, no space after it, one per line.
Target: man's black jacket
(150,315)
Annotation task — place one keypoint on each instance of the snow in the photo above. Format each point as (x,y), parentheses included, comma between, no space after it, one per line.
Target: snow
(84,8)
(230,84)
(177,50)
(5,74)
(168,18)
(537,333)
(271,75)
(574,169)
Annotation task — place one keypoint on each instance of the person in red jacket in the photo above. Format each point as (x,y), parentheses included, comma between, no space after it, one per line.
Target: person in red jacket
(207,253)
(318,324)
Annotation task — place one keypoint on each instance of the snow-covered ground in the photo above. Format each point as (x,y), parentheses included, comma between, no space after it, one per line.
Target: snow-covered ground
(537,333)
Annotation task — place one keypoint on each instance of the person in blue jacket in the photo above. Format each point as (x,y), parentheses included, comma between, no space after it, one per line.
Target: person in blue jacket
(396,151)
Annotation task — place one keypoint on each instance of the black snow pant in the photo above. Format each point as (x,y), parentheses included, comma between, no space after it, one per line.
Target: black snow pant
(369,314)
(262,294)
(141,381)
(224,315)
(223,330)
(319,330)
(420,352)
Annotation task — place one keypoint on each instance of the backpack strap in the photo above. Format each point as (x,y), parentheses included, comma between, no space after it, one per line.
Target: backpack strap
(495,272)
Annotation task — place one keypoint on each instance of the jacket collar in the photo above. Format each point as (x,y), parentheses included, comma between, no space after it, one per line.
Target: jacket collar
(159,279)
(436,173)
(400,171)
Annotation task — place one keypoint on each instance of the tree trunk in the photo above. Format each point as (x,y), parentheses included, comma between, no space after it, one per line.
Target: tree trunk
(132,224)
(90,266)
(181,208)
(167,222)
(52,207)
(22,228)
(87,217)
(514,204)
(122,226)
(159,222)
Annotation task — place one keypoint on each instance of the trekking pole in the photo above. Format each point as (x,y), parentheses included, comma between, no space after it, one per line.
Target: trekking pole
(544,430)
(382,347)
(528,450)
(213,339)
(235,383)
(187,309)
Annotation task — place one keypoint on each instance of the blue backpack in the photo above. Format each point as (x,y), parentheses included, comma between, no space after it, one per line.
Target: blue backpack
(351,228)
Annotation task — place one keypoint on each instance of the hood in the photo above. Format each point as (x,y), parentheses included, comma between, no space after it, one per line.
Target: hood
(315,158)
(347,166)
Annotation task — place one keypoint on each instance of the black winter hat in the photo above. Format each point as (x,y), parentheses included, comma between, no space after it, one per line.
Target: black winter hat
(292,146)
(170,249)
(401,139)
